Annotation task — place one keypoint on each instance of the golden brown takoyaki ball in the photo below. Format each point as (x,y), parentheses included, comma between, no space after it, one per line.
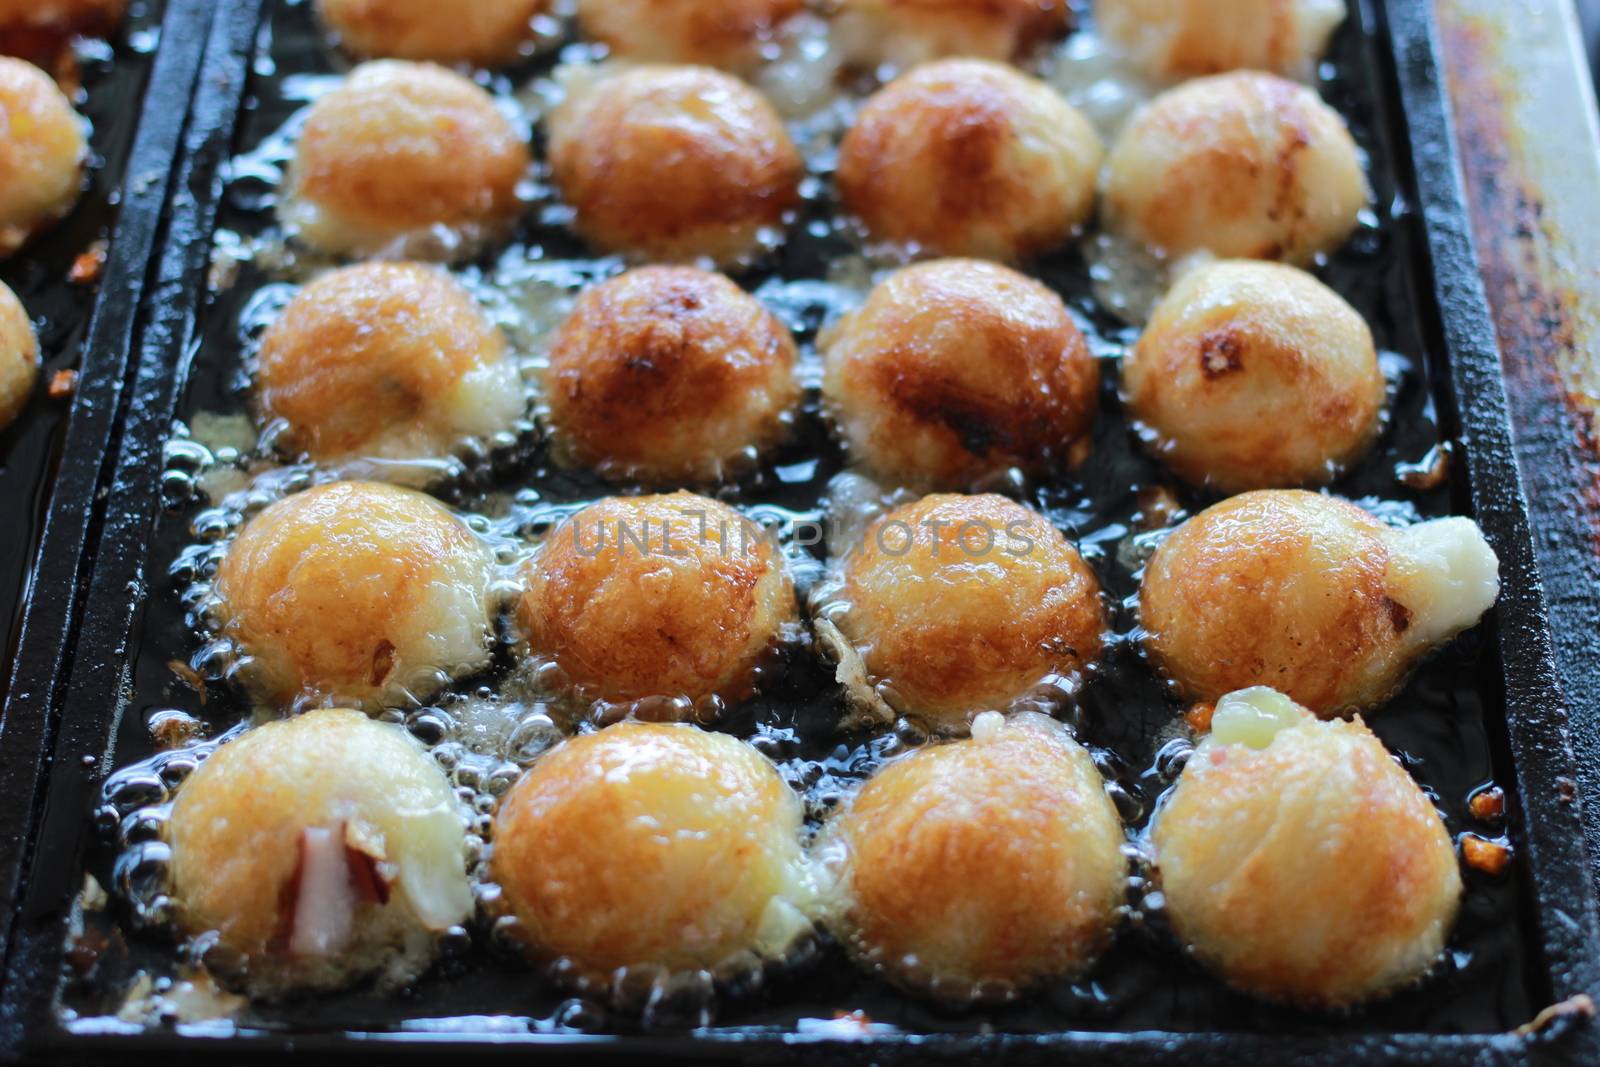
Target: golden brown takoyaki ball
(1311,596)
(669,374)
(955,371)
(321,850)
(674,163)
(42,152)
(970,158)
(977,868)
(1243,165)
(355,591)
(902,33)
(1172,39)
(401,154)
(954,605)
(714,33)
(1300,861)
(385,359)
(19,357)
(1252,375)
(672,596)
(484,32)
(78,16)
(647,845)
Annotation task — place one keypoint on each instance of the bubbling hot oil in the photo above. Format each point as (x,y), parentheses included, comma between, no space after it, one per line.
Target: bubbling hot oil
(486,729)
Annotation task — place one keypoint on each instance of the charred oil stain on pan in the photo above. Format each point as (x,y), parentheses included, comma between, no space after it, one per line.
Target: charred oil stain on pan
(1541,335)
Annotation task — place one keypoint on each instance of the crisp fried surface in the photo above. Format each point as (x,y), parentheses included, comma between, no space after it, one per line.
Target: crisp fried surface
(970,158)
(1244,165)
(1281,588)
(690,613)
(955,370)
(714,33)
(42,148)
(906,32)
(669,373)
(1312,871)
(988,861)
(403,146)
(385,359)
(1189,38)
(351,589)
(96,17)
(963,604)
(485,32)
(1254,375)
(19,356)
(648,844)
(674,163)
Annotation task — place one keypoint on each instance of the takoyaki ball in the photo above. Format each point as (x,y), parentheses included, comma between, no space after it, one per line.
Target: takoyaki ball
(970,158)
(19,357)
(1311,596)
(956,371)
(392,360)
(1243,165)
(975,869)
(674,163)
(903,33)
(714,33)
(355,592)
(74,16)
(669,374)
(1253,375)
(483,32)
(651,847)
(1300,861)
(1174,39)
(318,851)
(404,158)
(42,152)
(677,597)
(954,605)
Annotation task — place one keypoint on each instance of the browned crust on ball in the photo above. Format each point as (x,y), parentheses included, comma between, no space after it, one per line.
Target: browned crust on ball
(1313,872)
(88,17)
(1240,184)
(484,32)
(934,623)
(955,370)
(688,616)
(992,29)
(646,844)
(1203,37)
(992,860)
(19,357)
(1255,375)
(1281,588)
(669,372)
(454,160)
(936,159)
(363,348)
(642,180)
(721,33)
(321,584)
(42,154)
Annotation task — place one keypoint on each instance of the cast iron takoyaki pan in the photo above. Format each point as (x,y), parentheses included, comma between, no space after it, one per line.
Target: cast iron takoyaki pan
(1527,941)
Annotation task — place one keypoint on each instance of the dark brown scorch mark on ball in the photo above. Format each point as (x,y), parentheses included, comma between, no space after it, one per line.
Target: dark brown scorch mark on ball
(382,662)
(980,424)
(1221,352)
(1399,615)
